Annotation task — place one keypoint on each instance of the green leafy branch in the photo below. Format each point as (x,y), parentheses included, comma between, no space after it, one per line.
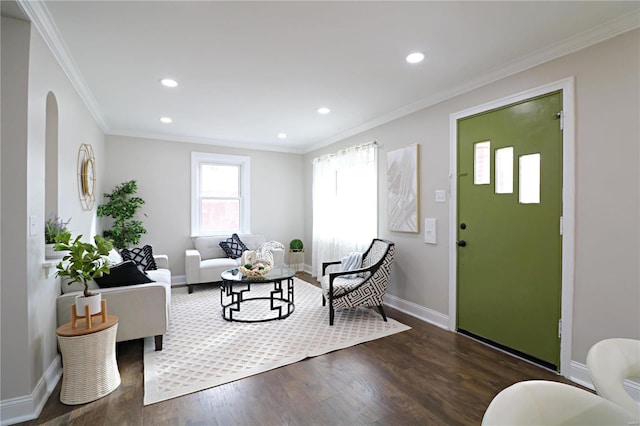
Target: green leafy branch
(84,261)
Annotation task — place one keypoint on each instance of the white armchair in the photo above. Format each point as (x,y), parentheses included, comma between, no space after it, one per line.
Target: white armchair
(610,362)
(539,402)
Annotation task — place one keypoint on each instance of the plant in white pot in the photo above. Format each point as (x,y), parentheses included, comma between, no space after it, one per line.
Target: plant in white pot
(82,263)
(52,227)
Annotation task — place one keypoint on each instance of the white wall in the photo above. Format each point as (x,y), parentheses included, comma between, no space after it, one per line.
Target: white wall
(162,170)
(30,362)
(15,377)
(607,279)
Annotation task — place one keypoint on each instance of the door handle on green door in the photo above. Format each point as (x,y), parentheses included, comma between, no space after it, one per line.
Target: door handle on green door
(462,243)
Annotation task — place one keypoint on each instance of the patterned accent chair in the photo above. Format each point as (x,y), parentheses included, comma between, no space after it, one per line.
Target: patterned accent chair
(366,290)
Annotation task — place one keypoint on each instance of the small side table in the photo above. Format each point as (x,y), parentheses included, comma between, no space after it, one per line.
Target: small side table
(90,370)
(298,260)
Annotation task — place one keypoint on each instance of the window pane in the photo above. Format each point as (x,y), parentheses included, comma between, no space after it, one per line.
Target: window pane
(529,179)
(219,180)
(504,170)
(220,215)
(482,163)
(220,194)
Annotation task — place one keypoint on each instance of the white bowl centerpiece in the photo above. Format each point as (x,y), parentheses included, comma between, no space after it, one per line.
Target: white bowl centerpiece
(256,269)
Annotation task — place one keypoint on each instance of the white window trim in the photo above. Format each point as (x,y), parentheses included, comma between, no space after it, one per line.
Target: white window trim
(197,158)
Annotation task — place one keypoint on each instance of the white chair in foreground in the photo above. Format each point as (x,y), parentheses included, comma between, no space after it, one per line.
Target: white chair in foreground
(610,362)
(539,402)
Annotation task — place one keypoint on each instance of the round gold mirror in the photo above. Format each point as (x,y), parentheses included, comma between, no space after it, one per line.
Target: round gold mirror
(86,176)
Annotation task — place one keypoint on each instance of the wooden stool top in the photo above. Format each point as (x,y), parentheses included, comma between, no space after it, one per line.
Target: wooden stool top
(66,330)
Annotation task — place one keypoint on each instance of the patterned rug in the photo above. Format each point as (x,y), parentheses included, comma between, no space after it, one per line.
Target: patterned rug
(202,350)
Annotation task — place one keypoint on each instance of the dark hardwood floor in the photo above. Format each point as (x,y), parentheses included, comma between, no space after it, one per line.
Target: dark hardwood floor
(424,376)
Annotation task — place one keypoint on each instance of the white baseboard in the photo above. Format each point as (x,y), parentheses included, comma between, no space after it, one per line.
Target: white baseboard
(579,373)
(178,280)
(28,407)
(305,268)
(633,388)
(425,314)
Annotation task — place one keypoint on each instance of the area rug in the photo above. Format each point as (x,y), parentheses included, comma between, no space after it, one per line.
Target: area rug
(202,350)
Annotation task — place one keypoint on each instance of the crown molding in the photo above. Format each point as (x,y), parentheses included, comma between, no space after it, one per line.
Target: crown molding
(40,18)
(597,34)
(257,146)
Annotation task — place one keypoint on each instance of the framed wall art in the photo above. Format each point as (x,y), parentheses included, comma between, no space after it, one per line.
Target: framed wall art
(403,198)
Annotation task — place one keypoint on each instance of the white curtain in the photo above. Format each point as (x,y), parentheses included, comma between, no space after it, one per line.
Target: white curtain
(345,203)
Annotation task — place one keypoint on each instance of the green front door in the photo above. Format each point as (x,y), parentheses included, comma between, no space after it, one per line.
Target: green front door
(509,221)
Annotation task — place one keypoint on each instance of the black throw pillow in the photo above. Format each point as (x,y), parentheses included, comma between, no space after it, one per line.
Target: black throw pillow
(233,247)
(142,256)
(240,243)
(123,274)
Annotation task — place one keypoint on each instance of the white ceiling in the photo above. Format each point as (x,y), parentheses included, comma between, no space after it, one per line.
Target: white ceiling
(250,70)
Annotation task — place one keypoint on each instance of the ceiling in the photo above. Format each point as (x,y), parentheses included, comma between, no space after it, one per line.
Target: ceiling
(248,71)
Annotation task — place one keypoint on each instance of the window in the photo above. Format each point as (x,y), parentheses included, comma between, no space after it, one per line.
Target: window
(219,194)
(482,163)
(504,170)
(529,179)
(345,203)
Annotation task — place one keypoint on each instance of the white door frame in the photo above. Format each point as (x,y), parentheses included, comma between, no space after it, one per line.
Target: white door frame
(568,204)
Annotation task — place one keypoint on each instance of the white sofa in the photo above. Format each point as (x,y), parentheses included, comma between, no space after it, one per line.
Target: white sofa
(142,309)
(206,261)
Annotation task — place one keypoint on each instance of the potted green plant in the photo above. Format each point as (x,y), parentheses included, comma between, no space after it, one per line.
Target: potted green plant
(82,263)
(122,206)
(296,245)
(52,227)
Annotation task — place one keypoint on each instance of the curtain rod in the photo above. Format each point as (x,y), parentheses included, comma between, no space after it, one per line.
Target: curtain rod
(343,150)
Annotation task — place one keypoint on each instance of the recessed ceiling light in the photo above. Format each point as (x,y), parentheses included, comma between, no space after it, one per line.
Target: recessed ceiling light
(324,110)
(169,82)
(282,135)
(166,120)
(415,57)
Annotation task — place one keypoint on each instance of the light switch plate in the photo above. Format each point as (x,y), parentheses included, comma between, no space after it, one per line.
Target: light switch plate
(430,230)
(441,196)
(33,225)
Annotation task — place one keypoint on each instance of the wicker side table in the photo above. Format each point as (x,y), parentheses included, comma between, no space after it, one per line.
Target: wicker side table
(90,370)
